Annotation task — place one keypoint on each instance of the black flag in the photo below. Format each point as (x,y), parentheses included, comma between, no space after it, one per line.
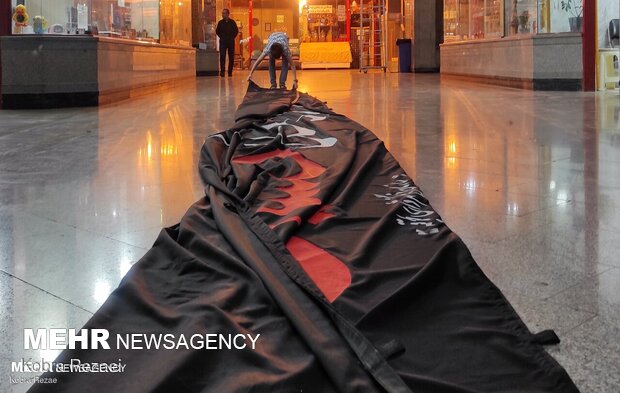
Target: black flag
(313,241)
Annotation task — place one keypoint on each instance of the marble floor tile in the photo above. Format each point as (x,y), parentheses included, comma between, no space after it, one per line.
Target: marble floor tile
(599,295)
(27,307)
(586,231)
(541,314)
(76,265)
(591,355)
(489,228)
(531,266)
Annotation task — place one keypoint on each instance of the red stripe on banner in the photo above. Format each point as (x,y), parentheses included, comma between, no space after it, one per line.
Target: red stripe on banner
(330,274)
(300,193)
(319,217)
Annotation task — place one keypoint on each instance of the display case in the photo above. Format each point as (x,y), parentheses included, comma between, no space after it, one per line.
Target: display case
(204,37)
(493,18)
(203,24)
(477,19)
(145,20)
(450,20)
(92,52)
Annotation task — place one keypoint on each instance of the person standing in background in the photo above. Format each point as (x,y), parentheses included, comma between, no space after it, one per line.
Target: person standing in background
(227,30)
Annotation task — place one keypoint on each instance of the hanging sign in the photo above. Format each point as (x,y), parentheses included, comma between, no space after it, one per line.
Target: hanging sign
(341,12)
(320,9)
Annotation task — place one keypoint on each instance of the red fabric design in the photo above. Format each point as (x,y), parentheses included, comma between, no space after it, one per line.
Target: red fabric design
(328,272)
(301,193)
(320,216)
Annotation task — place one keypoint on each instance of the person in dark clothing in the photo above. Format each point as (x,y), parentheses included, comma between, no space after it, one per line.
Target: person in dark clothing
(227,30)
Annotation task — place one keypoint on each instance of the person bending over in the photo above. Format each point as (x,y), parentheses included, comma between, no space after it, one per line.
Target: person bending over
(277,48)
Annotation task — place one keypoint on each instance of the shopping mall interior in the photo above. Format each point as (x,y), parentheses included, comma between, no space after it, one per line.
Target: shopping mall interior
(509,124)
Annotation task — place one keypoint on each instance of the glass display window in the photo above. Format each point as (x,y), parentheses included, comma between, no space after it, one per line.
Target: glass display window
(164,21)
(522,16)
(477,19)
(408,19)
(175,21)
(472,19)
(493,18)
(43,17)
(451,20)
(203,24)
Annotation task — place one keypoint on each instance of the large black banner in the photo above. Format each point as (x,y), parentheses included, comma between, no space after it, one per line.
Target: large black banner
(312,264)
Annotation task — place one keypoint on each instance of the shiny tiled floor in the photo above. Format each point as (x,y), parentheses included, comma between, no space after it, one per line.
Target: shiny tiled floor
(530,180)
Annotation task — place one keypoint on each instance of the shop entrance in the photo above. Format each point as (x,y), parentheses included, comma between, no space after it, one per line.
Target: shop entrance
(330,23)
(317,25)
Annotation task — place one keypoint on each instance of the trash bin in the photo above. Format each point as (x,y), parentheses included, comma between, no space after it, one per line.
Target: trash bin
(404,54)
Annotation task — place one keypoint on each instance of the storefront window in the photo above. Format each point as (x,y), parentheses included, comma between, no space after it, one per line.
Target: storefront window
(203,24)
(128,19)
(475,19)
(324,20)
(463,18)
(472,19)
(408,18)
(175,22)
(301,20)
(450,19)
(43,17)
(523,17)
(492,18)
(544,25)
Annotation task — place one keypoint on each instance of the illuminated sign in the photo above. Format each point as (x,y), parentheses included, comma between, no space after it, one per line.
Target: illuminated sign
(320,9)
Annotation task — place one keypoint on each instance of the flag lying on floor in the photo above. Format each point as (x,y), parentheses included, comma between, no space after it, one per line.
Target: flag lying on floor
(323,263)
